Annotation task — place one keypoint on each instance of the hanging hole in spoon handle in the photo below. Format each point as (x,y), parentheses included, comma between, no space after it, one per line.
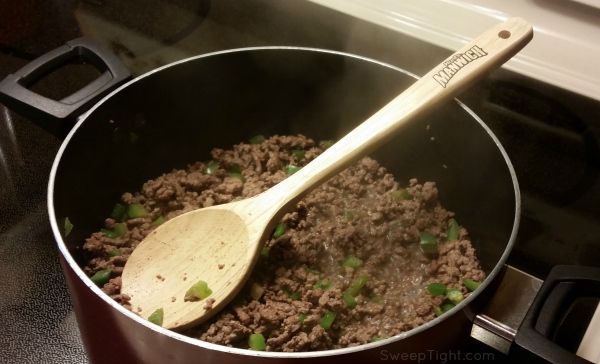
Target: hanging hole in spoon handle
(504,34)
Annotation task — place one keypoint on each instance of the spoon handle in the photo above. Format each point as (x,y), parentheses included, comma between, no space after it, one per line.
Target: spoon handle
(487,52)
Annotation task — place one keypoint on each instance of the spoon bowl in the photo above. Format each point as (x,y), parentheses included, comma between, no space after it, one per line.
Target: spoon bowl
(218,244)
(215,246)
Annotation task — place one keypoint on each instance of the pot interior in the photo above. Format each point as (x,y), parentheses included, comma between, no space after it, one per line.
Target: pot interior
(176,115)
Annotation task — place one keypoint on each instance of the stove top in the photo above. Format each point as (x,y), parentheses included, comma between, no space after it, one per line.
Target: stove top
(551,135)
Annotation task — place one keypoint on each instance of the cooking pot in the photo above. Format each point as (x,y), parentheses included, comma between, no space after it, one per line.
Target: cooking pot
(176,114)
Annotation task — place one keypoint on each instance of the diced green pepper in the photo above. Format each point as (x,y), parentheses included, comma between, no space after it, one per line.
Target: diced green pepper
(118,212)
(453,230)
(257,139)
(257,342)
(114,252)
(353,262)
(401,194)
(437,289)
(298,153)
(212,167)
(120,229)
(327,320)
(116,232)
(323,284)
(159,220)
(471,285)
(236,175)
(349,300)
(295,296)
(301,318)
(68,226)
(378,338)
(264,252)
(198,291)
(101,277)
(291,169)
(428,243)
(136,210)
(357,284)
(454,295)
(157,317)
(447,306)
(326,144)
(235,172)
(279,230)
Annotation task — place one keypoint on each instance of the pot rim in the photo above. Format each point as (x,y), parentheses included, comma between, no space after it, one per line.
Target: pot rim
(206,345)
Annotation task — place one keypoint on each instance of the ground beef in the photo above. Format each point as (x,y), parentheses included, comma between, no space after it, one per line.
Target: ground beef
(362,212)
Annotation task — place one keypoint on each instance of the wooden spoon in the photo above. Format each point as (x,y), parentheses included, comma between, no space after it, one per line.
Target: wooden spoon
(220,244)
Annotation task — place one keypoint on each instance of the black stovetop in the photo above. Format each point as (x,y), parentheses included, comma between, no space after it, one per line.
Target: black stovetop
(551,135)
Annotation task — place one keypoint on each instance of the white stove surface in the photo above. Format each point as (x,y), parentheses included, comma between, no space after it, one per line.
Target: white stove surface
(565,50)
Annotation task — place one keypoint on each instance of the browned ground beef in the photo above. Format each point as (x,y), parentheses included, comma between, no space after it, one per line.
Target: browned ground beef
(355,213)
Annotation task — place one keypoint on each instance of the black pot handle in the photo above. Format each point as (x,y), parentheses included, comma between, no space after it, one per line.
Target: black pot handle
(15,94)
(536,336)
